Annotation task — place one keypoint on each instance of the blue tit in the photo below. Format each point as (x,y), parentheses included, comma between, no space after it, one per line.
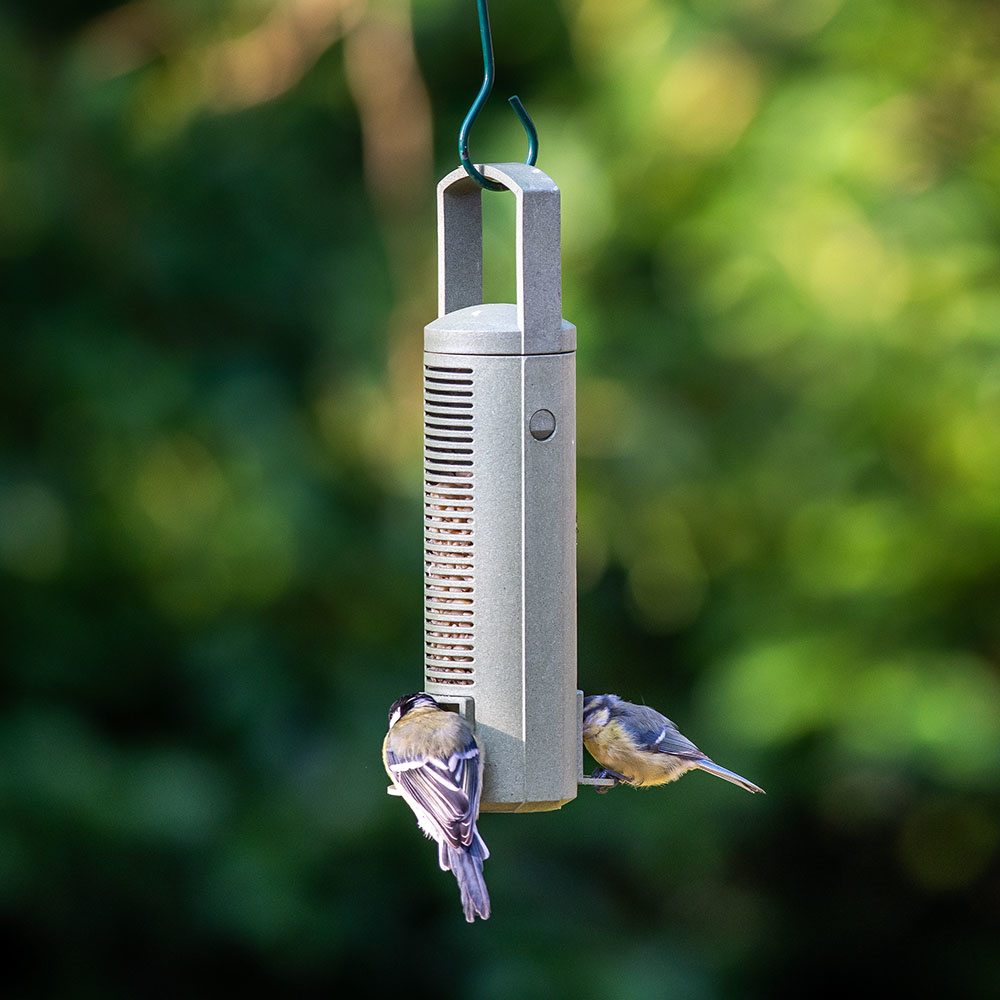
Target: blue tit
(636,745)
(433,759)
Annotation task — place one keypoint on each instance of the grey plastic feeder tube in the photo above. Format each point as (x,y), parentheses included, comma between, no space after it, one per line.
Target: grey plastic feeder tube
(500,498)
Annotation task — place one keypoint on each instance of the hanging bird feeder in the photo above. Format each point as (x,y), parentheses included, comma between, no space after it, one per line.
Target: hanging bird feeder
(500,497)
(500,486)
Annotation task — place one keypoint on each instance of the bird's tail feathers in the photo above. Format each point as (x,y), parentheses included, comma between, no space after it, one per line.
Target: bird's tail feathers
(479,848)
(721,772)
(467,866)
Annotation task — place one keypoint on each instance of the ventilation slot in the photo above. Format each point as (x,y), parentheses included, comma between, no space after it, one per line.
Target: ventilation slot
(449,511)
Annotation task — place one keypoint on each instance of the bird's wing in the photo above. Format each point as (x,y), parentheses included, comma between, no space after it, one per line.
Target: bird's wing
(656,733)
(444,790)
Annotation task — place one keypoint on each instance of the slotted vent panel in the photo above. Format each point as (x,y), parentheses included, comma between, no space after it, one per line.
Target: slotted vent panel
(449,518)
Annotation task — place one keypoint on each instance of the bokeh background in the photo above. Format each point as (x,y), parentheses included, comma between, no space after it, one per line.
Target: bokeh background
(780,242)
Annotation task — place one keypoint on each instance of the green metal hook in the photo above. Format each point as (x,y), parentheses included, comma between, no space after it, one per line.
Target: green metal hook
(477,105)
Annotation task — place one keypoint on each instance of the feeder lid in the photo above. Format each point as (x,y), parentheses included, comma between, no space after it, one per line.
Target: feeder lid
(491,328)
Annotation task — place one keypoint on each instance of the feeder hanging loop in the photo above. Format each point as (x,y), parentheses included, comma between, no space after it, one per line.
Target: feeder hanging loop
(477,106)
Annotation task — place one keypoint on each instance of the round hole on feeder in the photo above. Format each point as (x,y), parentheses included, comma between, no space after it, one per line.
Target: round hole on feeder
(542,425)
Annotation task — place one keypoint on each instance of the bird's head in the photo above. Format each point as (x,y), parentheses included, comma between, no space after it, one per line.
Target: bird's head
(597,712)
(408,703)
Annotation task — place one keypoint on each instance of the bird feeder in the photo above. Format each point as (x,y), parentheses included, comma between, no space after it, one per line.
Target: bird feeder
(500,497)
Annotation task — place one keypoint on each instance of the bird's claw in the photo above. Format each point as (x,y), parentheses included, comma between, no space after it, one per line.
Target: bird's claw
(603,772)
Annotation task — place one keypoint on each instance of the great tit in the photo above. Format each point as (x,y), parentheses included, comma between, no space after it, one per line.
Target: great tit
(433,759)
(636,745)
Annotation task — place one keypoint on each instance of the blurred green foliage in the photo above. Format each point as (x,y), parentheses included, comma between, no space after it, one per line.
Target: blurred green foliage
(782,250)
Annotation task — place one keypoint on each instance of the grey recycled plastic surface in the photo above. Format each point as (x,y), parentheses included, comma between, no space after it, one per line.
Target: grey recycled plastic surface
(500,527)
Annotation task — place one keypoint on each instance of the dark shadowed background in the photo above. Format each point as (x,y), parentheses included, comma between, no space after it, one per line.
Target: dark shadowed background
(217,255)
